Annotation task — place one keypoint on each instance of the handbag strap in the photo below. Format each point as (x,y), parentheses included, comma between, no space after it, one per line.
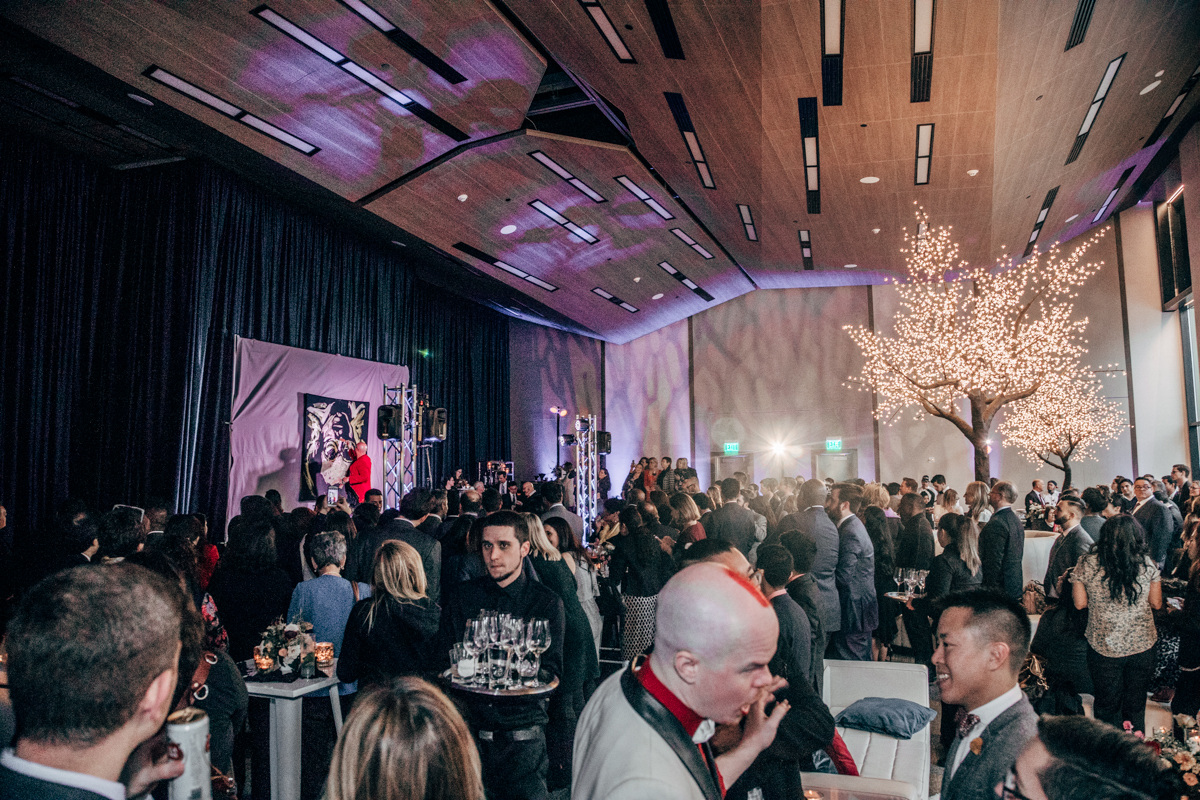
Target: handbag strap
(208,659)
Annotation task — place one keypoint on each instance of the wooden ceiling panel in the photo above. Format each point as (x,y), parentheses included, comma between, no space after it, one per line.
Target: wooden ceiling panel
(365,139)
(1006,100)
(499,180)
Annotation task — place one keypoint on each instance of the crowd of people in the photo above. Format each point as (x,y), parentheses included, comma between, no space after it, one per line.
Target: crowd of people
(688,633)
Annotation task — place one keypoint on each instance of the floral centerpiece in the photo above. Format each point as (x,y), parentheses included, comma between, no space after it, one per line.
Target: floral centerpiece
(1181,756)
(290,645)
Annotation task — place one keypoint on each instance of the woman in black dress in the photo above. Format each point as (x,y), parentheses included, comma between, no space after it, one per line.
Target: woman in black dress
(955,569)
(876,522)
(640,568)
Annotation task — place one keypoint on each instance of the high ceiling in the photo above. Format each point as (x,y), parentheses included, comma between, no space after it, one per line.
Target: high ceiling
(748,125)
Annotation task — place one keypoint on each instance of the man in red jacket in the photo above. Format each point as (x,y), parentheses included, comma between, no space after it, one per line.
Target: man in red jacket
(359,476)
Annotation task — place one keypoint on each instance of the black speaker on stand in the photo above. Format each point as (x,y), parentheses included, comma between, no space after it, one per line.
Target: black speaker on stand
(389,422)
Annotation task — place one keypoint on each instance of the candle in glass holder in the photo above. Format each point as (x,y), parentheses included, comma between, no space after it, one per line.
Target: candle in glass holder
(1192,739)
(264,663)
(324,652)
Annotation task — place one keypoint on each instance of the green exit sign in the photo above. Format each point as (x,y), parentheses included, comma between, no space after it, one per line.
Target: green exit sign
(731,448)
(833,445)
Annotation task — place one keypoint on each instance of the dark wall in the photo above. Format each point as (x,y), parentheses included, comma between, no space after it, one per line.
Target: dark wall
(120,294)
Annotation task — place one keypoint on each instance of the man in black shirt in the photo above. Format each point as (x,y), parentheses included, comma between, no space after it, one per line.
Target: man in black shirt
(509,731)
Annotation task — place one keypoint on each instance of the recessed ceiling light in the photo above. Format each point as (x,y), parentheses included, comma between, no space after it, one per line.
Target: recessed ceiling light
(1159,74)
(462,198)
(1150,88)
(658,296)
(851,266)
(507,229)
(972,172)
(143,100)
(874,230)
(637,280)
(1072,217)
(869,179)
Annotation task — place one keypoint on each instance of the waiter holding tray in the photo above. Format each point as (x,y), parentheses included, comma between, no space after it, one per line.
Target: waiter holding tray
(509,731)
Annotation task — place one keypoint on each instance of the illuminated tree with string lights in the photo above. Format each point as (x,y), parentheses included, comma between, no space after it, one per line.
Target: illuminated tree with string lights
(1069,421)
(969,340)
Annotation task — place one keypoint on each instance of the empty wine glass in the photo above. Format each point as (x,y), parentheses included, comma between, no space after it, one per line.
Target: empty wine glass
(899,578)
(510,635)
(539,642)
(910,580)
(922,574)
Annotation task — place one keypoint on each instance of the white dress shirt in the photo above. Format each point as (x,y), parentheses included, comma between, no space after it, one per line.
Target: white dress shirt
(76,780)
(986,713)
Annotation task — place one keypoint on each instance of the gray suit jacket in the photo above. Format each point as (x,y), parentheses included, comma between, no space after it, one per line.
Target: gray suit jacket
(1003,740)
(815,524)
(855,577)
(574,520)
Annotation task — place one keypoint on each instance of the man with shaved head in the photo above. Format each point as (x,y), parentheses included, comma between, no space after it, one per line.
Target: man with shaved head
(645,732)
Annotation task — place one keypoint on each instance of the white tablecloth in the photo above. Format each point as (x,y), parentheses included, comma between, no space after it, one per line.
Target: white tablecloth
(1036,558)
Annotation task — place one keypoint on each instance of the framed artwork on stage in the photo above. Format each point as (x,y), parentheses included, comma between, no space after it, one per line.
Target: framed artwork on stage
(332,428)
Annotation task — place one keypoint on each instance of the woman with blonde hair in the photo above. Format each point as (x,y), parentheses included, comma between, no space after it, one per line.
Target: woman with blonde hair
(389,633)
(976,500)
(405,741)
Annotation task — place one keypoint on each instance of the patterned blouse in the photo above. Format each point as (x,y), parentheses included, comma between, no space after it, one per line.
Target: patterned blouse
(1116,629)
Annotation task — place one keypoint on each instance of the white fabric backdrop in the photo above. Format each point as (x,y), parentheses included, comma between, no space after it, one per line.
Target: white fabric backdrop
(267,429)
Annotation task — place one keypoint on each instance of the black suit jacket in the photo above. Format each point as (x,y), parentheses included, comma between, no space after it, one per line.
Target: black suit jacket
(1065,554)
(793,654)
(806,594)
(16,786)
(1159,528)
(815,523)
(1001,546)
(733,524)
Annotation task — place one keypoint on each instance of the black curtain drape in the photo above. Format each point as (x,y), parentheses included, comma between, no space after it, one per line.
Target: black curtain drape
(121,295)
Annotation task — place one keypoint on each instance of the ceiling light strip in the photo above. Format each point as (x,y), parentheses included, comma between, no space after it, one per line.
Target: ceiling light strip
(562,172)
(812,151)
(806,249)
(747,222)
(229,109)
(690,242)
(608,30)
(1161,128)
(640,194)
(1079,25)
(683,120)
(1041,220)
(664,27)
(833,35)
(405,42)
(1089,119)
(924,154)
(921,68)
(476,253)
(360,73)
(1112,195)
(559,219)
(616,301)
(685,280)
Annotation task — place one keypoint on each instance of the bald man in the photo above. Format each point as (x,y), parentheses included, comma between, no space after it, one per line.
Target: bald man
(645,732)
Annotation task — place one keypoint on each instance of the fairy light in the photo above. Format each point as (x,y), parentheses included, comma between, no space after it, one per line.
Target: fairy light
(991,336)
(1069,422)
